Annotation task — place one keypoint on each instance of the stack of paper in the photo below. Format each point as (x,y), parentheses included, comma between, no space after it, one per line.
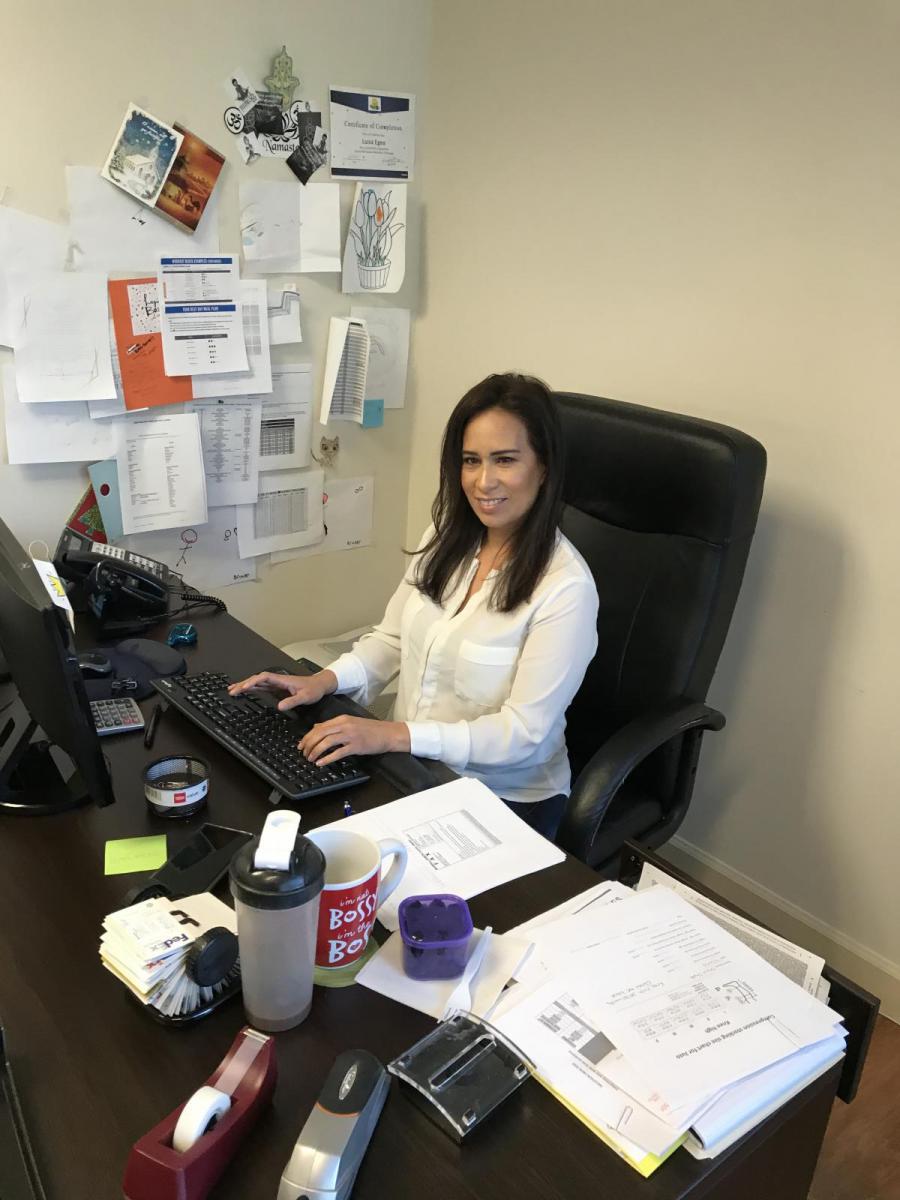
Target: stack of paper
(146,946)
(649,1020)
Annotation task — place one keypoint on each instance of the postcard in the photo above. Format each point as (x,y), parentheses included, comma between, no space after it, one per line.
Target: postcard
(189,184)
(142,154)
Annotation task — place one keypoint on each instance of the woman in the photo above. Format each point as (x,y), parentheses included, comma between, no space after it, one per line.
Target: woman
(494,624)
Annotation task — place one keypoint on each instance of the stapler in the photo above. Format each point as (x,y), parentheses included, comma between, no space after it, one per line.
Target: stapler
(337,1132)
(183,1156)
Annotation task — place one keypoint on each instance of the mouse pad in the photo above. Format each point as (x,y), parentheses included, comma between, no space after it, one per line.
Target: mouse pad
(136,659)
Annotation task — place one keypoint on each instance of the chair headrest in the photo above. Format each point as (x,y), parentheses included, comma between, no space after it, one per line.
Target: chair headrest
(659,472)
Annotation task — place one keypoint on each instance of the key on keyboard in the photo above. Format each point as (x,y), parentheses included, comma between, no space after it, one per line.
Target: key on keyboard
(253,731)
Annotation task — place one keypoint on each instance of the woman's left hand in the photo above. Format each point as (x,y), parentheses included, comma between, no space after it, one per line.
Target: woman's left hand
(331,740)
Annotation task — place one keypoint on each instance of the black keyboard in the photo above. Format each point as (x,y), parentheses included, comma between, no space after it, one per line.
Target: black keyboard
(252,729)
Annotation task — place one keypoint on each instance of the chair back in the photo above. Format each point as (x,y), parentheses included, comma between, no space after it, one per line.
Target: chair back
(663,508)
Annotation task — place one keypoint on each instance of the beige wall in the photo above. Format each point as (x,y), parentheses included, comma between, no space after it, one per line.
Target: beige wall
(694,206)
(68,71)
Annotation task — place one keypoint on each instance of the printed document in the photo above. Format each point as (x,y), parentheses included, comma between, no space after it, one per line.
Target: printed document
(229,431)
(372,136)
(461,839)
(258,377)
(690,1008)
(288,513)
(161,478)
(286,419)
(803,968)
(60,331)
(347,513)
(138,348)
(202,328)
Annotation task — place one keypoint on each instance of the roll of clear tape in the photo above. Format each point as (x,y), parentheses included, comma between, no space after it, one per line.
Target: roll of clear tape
(198,1116)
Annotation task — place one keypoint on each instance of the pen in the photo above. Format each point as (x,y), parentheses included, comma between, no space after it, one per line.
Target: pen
(150,731)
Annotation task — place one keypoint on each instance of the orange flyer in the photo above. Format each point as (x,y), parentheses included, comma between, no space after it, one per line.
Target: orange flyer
(135,314)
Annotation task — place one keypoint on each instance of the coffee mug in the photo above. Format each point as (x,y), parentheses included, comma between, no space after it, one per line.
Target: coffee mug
(353,892)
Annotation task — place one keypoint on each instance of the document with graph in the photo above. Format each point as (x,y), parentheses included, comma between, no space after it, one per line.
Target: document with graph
(288,513)
(346,366)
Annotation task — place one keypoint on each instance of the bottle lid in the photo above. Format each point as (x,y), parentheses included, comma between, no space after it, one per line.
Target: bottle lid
(267,887)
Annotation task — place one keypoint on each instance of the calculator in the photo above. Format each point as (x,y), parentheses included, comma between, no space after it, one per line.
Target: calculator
(116,716)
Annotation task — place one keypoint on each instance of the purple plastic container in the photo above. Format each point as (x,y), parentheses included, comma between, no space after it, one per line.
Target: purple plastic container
(435,932)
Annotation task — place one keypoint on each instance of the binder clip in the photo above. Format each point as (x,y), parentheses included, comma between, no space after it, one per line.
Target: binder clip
(183,1156)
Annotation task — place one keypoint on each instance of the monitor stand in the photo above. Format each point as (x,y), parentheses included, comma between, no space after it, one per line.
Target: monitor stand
(36,777)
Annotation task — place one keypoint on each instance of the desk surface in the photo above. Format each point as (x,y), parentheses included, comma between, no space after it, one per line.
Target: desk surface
(94,1073)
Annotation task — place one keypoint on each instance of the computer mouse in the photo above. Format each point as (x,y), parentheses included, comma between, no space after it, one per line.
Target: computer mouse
(182,635)
(94,665)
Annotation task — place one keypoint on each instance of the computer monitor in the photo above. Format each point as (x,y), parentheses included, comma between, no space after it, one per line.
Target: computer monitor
(50,754)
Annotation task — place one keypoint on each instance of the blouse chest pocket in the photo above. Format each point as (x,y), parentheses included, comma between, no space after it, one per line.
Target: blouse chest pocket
(484,674)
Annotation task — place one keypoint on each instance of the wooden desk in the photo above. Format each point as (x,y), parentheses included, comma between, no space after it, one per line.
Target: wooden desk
(94,1072)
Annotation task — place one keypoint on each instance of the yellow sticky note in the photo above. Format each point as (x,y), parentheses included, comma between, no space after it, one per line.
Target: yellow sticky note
(125,855)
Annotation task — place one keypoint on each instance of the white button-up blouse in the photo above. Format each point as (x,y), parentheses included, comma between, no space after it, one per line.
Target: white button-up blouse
(484,691)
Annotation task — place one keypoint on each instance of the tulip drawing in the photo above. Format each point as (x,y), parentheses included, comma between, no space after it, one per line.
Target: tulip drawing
(372,229)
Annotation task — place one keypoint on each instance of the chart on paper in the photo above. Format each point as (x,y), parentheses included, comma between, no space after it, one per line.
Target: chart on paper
(450,839)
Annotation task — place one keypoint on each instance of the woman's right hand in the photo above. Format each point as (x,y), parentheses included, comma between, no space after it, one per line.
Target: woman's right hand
(301,689)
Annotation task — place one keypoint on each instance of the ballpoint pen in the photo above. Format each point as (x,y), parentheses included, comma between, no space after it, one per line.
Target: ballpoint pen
(150,731)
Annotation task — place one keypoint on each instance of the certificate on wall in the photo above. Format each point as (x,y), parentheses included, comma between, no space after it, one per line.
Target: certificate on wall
(372,134)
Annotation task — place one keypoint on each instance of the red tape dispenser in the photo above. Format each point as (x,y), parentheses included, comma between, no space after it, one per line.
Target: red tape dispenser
(183,1156)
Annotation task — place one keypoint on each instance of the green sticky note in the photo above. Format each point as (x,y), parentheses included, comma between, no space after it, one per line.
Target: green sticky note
(125,855)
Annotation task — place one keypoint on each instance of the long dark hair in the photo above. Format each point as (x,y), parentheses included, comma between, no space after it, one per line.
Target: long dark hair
(457,530)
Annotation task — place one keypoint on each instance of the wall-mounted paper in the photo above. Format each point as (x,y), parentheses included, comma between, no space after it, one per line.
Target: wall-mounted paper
(270,221)
(286,229)
(288,513)
(372,136)
(388,352)
(27,243)
(286,419)
(105,482)
(258,378)
(284,316)
(229,432)
(205,555)
(42,433)
(137,332)
(111,231)
(348,506)
(161,479)
(202,329)
(375,250)
(60,331)
(344,379)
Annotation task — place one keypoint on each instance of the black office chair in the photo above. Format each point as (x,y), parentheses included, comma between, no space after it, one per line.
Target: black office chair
(663,509)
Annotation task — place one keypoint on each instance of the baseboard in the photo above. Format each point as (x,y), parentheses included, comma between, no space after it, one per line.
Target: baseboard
(859,962)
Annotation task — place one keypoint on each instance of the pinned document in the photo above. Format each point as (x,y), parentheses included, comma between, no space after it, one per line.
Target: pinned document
(160,466)
(346,364)
(60,331)
(201,315)
(288,513)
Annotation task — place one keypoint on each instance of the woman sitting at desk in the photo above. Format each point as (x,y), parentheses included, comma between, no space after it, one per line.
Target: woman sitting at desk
(494,624)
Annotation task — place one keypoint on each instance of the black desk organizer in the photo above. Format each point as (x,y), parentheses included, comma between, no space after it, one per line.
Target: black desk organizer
(19,1179)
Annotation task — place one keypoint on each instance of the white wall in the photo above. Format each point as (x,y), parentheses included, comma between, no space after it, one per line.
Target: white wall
(694,206)
(67,72)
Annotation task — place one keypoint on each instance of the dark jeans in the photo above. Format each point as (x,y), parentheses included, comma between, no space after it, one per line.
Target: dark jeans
(543,815)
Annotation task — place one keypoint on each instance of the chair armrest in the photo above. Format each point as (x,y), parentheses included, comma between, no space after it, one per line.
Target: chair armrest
(613,762)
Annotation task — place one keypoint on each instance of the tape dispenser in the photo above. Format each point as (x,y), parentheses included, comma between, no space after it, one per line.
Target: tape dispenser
(183,1156)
